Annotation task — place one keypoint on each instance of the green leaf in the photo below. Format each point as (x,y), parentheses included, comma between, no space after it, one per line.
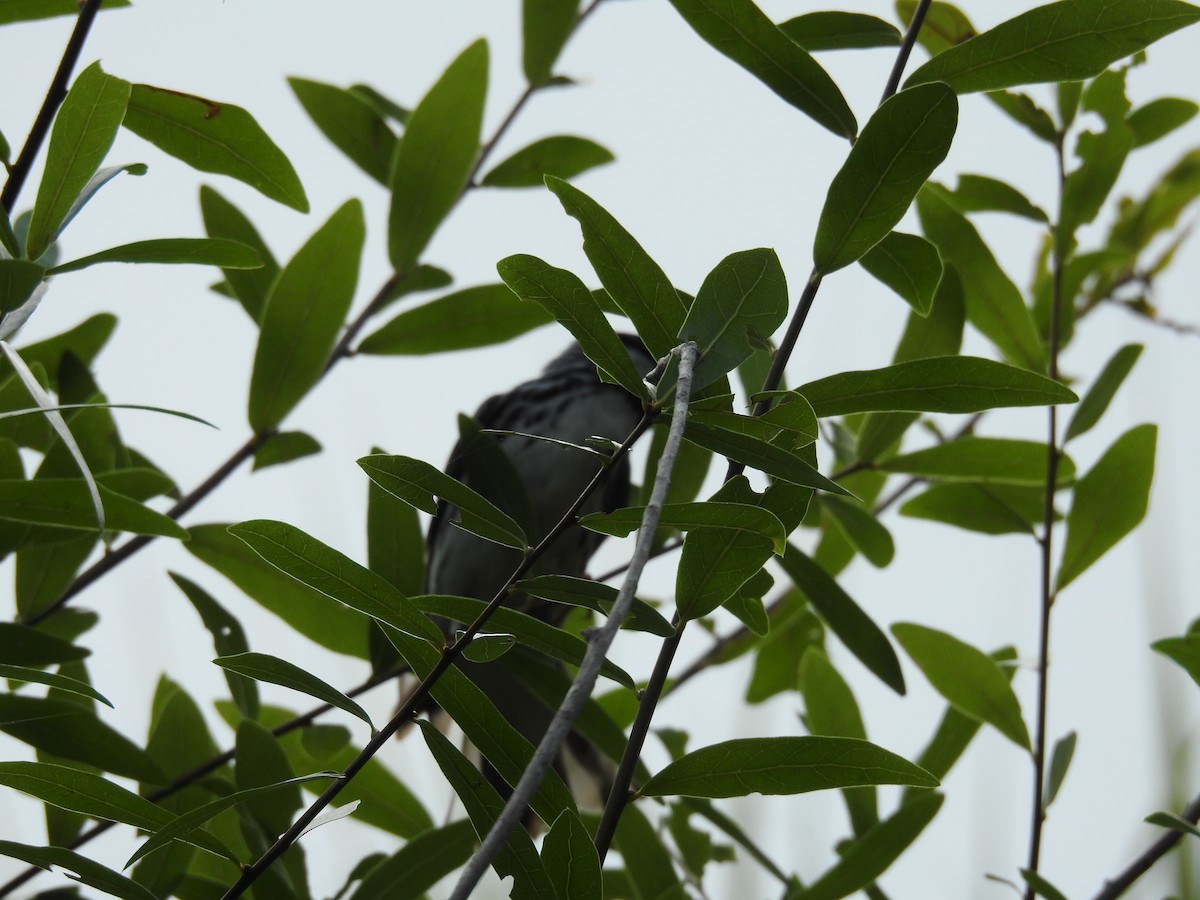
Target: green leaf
(1041,886)
(304,310)
(1060,761)
(182,826)
(982,459)
(647,862)
(840,31)
(69,730)
(596,596)
(26,10)
(570,860)
(1022,110)
(782,765)
(845,618)
(66,502)
(285,447)
(790,424)
(1183,650)
(978,193)
(433,163)
(483,805)
(417,483)
(224,220)
(81,869)
(384,105)
(741,31)
(1158,118)
(738,307)
(194,251)
(324,569)
(994,303)
(566,298)
(546,26)
(632,279)
(1109,501)
(303,608)
(214,137)
(55,681)
(1102,391)
(83,132)
(873,853)
(758,454)
(473,317)
(395,545)
(1065,41)
(1174,822)
(686,516)
(19,278)
(969,679)
(562,156)
(529,630)
(903,142)
(8,237)
(945,25)
(23,645)
(987,508)
(945,384)
(228,638)
(861,529)
(263,667)
(909,265)
(420,864)
(794,630)
(351,123)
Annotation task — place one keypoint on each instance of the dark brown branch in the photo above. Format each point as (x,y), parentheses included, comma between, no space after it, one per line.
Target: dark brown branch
(1115,887)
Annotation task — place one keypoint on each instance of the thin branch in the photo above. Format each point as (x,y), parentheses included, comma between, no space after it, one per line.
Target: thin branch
(1115,887)
(1046,542)
(450,654)
(599,640)
(54,98)
(906,46)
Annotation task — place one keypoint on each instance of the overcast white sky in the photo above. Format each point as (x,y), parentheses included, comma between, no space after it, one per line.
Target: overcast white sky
(709,162)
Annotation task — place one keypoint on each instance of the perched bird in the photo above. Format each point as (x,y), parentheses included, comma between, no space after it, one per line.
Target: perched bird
(535,482)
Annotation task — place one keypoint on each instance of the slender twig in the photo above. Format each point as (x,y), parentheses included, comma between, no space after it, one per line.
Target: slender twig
(906,46)
(416,700)
(654,554)
(599,640)
(1115,887)
(1046,541)
(54,98)
(187,779)
(784,352)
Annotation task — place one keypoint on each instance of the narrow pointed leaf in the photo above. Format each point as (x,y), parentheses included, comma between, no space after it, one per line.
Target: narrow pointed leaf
(986,508)
(562,156)
(566,298)
(570,859)
(596,596)
(738,307)
(545,27)
(228,638)
(1070,40)
(263,667)
(352,124)
(1158,118)
(994,304)
(968,678)
(1042,887)
(193,251)
(420,864)
(67,503)
(902,143)
(1174,822)
(686,516)
(83,132)
(909,265)
(23,645)
(1183,650)
(224,220)
(741,31)
(845,618)
(977,193)
(872,854)
(1060,762)
(782,765)
(982,460)
(633,280)
(945,384)
(648,864)
(326,570)
(1109,501)
(53,680)
(863,530)
(212,136)
(758,454)
(484,805)
(284,447)
(417,483)
(1102,391)
(433,162)
(19,278)
(474,317)
(840,31)
(85,870)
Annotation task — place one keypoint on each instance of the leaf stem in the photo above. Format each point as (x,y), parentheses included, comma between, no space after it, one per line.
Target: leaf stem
(54,98)
(1046,542)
